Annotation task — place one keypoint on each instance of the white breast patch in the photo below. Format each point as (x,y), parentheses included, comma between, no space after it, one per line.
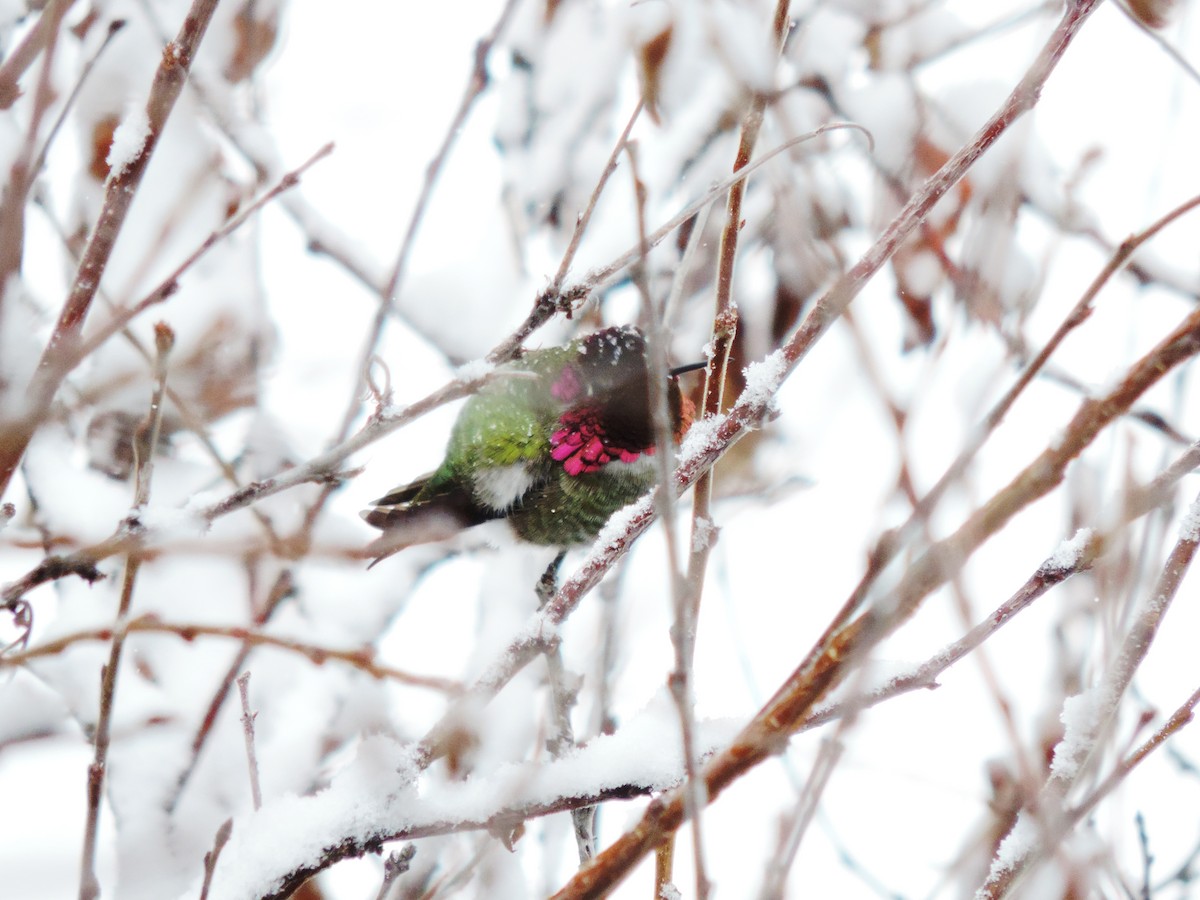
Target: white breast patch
(501,487)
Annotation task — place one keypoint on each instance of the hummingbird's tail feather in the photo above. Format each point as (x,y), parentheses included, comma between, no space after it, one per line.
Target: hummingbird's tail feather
(419,514)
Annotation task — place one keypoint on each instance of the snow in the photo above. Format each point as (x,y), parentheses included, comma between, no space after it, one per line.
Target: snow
(1066,555)
(1082,717)
(1019,843)
(474,370)
(128,140)
(379,793)
(271,325)
(615,530)
(700,438)
(763,379)
(704,534)
(290,830)
(1189,527)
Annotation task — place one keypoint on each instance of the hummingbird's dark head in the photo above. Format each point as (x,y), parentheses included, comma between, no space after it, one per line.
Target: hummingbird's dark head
(606,392)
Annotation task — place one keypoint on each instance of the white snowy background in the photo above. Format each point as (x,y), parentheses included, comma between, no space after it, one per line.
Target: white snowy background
(350,668)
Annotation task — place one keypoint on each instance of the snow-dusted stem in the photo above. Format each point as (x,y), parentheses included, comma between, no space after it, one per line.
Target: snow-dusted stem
(1089,717)
(120,190)
(145,441)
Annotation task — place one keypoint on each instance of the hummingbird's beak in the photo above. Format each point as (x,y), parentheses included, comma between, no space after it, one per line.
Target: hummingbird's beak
(690,367)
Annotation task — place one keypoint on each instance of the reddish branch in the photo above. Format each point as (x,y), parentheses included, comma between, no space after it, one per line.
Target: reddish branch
(363,659)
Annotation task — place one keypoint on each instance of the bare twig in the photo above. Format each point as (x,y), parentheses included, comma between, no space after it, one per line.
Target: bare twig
(806,806)
(397,863)
(243,683)
(554,299)
(585,217)
(283,588)
(51,568)
(114,28)
(210,858)
(683,626)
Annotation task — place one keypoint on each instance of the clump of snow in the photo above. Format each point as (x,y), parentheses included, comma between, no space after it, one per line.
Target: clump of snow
(474,370)
(617,527)
(1016,846)
(703,534)
(700,437)
(1068,554)
(379,793)
(923,272)
(128,140)
(1082,716)
(763,379)
(290,831)
(171,522)
(669,892)
(1189,528)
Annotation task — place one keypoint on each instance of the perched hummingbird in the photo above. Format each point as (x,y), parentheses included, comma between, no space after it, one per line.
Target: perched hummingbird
(555,449)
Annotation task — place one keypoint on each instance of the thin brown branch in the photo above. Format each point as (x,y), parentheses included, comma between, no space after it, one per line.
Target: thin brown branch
(363,659)
(120,319)
(1078,751)
(683,625)
(21,57)
(585,217)
(554,299)
(210,858)
(120,190)
(43,38)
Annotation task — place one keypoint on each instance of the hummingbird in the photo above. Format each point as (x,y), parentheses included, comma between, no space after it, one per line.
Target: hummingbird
(555,448)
